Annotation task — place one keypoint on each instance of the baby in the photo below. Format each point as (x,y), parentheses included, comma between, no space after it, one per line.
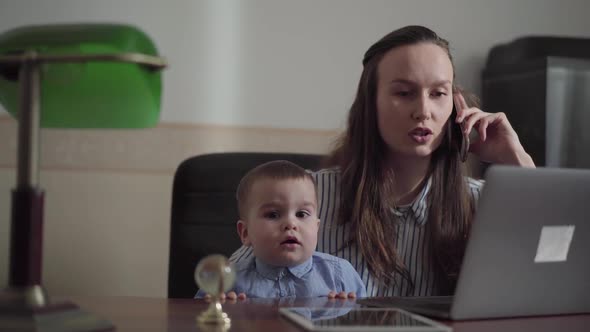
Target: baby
(278,211)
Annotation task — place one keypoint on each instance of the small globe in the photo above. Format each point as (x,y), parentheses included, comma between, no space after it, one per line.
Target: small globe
(214,274)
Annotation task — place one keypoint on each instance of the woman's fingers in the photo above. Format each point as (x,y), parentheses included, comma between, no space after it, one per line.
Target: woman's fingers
(473,118)
(242,296)
(352,295)
(332,294)
(482,129)
(502,145)
(460,105)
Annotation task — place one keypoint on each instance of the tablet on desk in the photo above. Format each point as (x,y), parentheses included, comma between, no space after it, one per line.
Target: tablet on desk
(361,319)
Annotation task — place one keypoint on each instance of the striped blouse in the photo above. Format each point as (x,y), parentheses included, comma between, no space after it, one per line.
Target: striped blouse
(410,243)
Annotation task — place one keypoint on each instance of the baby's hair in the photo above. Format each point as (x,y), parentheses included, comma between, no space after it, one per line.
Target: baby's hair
(274,170)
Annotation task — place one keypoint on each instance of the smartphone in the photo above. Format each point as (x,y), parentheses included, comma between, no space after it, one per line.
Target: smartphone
(464,138)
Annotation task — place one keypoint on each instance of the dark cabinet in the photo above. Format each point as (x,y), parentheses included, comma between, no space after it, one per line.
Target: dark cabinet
(543,86)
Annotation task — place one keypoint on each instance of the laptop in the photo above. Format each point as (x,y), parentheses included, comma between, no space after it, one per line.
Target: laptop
(528,252)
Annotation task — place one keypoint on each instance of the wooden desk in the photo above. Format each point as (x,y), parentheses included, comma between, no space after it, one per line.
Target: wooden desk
(152,314)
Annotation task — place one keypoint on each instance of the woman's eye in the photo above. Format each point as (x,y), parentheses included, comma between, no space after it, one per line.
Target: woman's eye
(271,215)
(439,94)
(402,93)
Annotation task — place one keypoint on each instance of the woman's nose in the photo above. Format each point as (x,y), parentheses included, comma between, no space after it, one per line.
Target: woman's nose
(421,111)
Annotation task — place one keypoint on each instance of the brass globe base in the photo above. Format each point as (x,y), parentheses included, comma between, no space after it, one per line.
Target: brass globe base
(214,316)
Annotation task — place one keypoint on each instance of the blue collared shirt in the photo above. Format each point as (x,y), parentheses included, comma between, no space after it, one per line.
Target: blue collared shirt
(318,276)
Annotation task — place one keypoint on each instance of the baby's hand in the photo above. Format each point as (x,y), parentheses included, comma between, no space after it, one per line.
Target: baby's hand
(232,296)
(341,295)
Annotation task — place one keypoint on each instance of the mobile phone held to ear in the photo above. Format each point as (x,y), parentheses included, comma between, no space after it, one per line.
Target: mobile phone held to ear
(464,138)
(464,144)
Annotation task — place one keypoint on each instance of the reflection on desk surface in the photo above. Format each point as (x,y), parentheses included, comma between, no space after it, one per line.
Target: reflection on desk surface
(161,314)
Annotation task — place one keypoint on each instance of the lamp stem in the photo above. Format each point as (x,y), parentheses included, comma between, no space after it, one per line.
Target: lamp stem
(27,198)
(28,125)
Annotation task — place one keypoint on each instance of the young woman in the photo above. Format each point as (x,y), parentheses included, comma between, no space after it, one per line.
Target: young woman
(397,202)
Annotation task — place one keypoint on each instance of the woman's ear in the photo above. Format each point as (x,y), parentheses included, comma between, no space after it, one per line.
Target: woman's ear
(242,227)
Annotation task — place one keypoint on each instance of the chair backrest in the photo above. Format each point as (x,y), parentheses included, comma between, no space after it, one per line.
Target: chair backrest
(204,211)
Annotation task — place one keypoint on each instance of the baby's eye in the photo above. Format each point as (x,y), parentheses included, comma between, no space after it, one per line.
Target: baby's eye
(302,214)
(271,215)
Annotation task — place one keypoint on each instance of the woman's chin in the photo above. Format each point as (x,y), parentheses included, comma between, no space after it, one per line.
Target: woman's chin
(416,153)
(422,152)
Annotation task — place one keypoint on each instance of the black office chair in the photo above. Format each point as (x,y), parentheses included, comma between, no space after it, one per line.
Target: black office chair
(204,211)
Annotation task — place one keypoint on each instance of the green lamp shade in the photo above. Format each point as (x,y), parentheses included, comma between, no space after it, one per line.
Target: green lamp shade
(93,94)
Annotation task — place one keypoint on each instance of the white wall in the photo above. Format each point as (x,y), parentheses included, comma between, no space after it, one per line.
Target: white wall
(284,63)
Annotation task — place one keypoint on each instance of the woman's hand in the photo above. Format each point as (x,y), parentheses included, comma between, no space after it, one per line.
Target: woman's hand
(497,142)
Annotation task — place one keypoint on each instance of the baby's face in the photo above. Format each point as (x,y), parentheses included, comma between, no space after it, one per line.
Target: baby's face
(282,223)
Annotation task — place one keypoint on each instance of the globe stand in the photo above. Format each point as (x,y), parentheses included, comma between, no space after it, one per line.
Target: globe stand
(215,275)
(214,315)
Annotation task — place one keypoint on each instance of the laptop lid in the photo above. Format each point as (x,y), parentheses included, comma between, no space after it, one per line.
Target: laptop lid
(529,246)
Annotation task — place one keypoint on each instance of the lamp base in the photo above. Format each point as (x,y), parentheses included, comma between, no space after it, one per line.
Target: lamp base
(27,309)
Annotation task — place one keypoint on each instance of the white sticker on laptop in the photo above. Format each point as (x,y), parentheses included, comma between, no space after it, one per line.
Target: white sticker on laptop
(554,243)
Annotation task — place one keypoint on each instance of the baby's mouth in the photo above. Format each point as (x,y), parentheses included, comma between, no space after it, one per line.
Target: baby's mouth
(291,240)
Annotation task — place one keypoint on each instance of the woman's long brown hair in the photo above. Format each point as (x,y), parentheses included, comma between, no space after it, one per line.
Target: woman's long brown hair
(366,185)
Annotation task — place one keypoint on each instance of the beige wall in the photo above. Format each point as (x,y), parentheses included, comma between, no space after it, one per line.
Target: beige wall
(107,210)
(105,232)
(296,63)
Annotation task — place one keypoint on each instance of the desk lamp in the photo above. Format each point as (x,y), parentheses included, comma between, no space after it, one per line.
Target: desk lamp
(65,76)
